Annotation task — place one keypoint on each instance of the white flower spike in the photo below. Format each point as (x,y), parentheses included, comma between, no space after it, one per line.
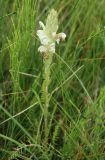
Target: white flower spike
(48,36)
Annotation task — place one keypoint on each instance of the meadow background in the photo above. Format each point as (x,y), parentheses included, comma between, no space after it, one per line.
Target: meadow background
(76,121)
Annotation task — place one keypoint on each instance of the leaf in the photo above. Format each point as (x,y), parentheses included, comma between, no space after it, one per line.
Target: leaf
(52,22)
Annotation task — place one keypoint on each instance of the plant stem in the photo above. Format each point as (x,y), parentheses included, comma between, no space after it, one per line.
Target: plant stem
(45,91)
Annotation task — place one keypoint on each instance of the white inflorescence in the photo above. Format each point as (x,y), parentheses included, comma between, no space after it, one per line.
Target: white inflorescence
(48,36)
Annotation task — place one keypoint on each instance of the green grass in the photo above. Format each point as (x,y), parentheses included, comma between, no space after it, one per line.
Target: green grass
(76,127)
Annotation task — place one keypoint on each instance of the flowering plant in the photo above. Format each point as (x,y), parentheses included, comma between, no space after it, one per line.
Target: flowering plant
(48,35)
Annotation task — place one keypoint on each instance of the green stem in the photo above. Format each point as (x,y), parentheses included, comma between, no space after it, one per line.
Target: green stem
(45,91)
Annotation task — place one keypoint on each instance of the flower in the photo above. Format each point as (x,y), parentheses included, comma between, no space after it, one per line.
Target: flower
(48,35)
(47,48)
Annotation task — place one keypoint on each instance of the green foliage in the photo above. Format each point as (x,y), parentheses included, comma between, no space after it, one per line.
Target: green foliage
(75,127)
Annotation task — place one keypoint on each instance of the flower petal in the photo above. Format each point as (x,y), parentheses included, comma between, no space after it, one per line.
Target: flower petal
(42,24)
(42,49)
(44,39)
(52,48)
(61,36)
